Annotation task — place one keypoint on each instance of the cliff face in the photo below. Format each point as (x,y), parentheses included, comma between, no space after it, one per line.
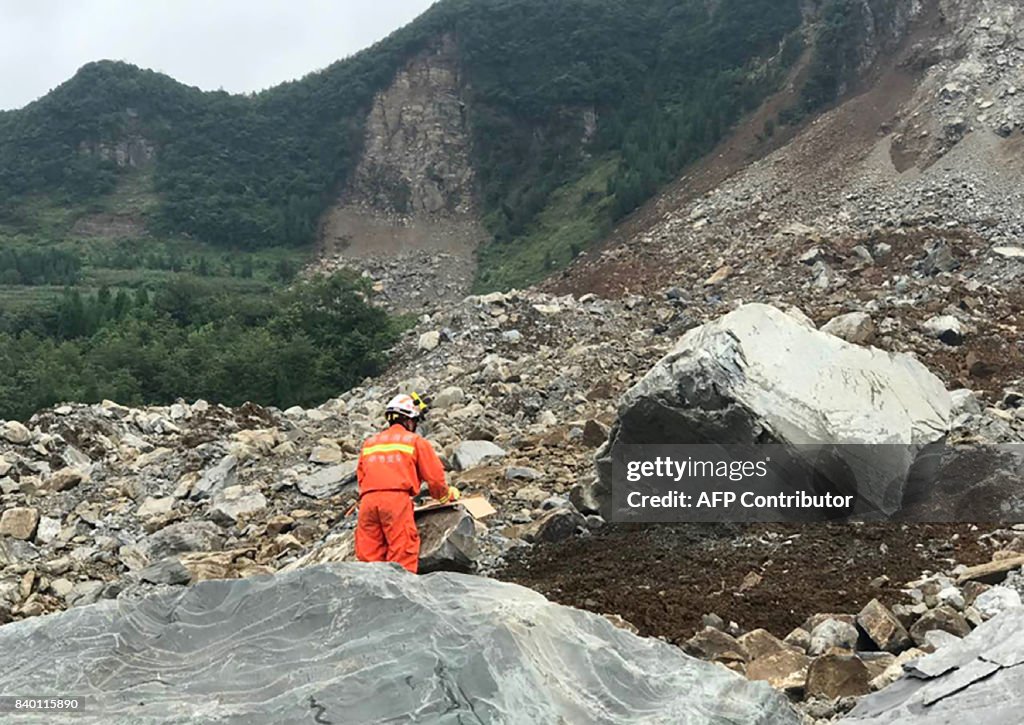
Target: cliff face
(416,156)
(134,152)
(412,195)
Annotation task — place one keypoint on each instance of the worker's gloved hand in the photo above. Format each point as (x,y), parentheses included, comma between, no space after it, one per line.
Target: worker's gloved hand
(453,495)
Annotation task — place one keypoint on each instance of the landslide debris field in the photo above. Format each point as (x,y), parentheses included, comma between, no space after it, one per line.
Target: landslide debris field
(664,578)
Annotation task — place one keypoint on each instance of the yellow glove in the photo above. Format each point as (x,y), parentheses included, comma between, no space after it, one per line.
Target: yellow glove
(453,495)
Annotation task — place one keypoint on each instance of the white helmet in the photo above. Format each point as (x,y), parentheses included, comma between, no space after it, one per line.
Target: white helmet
(408,406)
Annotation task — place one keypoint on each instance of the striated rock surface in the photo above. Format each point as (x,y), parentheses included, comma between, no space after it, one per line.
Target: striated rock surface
(367,643)
(979,679)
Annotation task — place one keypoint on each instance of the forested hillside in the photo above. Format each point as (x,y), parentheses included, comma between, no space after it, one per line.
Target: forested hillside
(663,79)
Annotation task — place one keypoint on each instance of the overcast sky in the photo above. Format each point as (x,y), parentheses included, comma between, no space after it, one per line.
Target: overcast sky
(237,45)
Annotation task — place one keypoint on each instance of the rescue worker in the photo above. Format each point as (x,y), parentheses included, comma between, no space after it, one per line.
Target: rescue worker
(391,466)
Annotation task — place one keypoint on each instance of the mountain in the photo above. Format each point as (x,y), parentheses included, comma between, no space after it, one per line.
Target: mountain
(522,127)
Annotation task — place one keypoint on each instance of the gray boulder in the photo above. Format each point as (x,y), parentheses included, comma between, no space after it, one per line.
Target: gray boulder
(166,571)
(237,502)
(181,538)
(448,541)
(218,477)
(556,525)
(979,679)
(330,481)
(470,454)
(757,375)
(367,643)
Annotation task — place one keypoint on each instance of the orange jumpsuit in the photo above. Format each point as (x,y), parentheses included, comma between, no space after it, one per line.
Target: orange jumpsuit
(391,466)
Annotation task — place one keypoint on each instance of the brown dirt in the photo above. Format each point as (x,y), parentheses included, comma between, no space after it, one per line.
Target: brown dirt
(662,578)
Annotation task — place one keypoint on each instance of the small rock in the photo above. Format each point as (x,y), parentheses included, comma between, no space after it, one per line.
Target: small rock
(761,643)
(855,327)
(832,634)
(720,275)
(449,397)
(166,571)
(979,367)
(940,259)
(237,502)
(557,525)
(883,628)
(945,618)
(522,473)
(714,645)
(811,256)
(14,432)
(952,597)
(995,600)
(965,402)
(222,475)
(61,587)
(429,340)
(326,455)
(936,639)
(279,524)
(799,638)
(835,675)
(547,419)
(595,433)
(876,662)
(48,530)
(65,479)
(946,328)
(329,481)
(469,454)
(895,669)
(155,507)
(713,620)
(784,669)
(581,495)
(19,523)
(531,494)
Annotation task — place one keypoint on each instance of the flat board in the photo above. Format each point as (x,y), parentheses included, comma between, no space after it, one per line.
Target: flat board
(477,506)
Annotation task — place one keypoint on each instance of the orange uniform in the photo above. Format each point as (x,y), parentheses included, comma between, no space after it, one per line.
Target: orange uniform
(391,466)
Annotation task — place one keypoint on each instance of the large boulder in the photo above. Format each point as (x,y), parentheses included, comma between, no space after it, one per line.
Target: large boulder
(367,643)
(759,375)
(979,679)
(448,542)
